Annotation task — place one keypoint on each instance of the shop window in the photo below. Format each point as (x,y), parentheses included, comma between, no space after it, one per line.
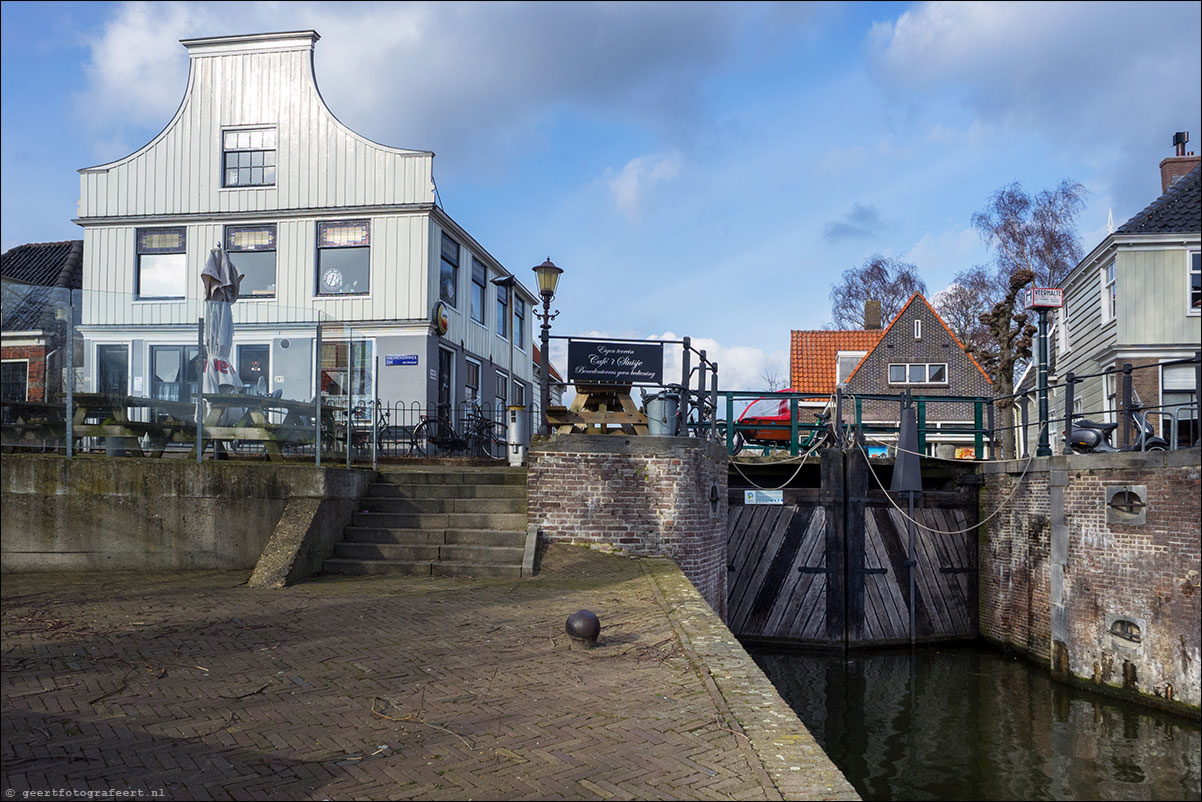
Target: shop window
(175,372)
(254,363)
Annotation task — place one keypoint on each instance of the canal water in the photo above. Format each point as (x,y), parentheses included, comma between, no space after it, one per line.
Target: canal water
(970,723)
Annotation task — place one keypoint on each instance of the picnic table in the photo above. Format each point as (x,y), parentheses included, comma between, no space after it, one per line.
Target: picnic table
(270,422)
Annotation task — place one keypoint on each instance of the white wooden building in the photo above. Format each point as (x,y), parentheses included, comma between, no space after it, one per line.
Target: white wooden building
(325,224)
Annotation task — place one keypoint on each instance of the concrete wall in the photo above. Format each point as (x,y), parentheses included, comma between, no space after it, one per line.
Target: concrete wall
(126,514)
(642,496)
(1060,570)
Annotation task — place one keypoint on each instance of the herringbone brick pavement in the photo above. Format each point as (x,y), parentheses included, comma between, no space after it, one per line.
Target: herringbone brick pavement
(192,685)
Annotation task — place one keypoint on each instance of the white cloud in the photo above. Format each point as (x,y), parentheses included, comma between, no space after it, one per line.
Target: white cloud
(465,79)
(1112,78)
(640,175)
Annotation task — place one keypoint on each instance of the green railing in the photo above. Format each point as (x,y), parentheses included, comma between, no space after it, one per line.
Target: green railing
(797,435)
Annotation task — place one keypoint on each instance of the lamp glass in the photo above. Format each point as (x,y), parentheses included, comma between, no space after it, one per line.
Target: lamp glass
(548,277)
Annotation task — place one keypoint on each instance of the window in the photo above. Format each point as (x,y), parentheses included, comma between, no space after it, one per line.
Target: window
(1195,283)
(918,329)
(343,258)
(254,363)
(345,370)
(1109,292)
(1109,383)
(448,276)
(918,373)
(502,393)
(174,372)
(479,282)
(14,380)
(845,363)
(248,158)
(519,322)
(472,382)
(1062,329)
(519,394)
(502,311)
(162,263)
(1178,406)
(252,251)
(112,373)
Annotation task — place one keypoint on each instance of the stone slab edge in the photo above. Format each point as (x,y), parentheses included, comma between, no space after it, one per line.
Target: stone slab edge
(794,761)
(531,549)
(1181,458)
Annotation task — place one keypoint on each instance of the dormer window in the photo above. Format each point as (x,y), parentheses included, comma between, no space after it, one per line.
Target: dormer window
(249,157)
(845,363)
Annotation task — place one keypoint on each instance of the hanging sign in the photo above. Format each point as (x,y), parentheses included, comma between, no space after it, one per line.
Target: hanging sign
(441,321)
(1044,298)
(592,362)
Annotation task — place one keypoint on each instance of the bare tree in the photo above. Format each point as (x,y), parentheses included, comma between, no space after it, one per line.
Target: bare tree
(1034,240)
(890,281)
(972,292)
(773,380)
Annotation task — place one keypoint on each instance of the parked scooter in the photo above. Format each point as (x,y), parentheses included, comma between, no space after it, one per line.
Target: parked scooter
(1091,437)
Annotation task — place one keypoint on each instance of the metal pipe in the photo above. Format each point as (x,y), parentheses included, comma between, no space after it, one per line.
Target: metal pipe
(350,391)
(1043,449)
(701,380)
(200,391)
(682,407)
(1070,401)
(714,401)
(317,398)
(70,372)
(1125,429)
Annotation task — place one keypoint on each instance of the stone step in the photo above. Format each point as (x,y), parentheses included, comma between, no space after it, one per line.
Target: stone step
(476,555)
(422,506)
(402,568)
(422,537)
(398,490)
(509,521)
(455,476)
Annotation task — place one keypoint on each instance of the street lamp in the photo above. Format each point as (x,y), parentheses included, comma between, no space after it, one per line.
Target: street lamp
(548,277)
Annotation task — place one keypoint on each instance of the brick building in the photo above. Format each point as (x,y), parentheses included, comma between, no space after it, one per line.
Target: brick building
(37,281)
(915,352)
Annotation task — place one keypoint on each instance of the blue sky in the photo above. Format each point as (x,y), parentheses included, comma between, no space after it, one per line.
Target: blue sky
(705,168)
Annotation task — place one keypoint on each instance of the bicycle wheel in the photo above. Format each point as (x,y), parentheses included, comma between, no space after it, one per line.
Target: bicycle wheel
(435,438)
(489,440)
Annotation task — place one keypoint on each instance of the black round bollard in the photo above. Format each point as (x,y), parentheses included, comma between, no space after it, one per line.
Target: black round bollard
(584,627)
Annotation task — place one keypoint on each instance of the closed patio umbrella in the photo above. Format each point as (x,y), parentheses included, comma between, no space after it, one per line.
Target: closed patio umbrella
(221,280)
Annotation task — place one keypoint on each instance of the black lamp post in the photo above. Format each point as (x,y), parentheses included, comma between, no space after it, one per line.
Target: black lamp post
(548,278)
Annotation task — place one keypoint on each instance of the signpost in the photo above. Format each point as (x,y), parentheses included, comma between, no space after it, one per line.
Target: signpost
(1042,299)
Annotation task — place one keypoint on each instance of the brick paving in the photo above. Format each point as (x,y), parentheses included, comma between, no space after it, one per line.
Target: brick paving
(192,685)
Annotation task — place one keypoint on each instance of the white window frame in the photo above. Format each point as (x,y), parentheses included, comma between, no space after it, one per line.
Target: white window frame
(1110,400)
(1109,295)
(918,329)
(274,150)
(1190,256)
(501,376)
(138,255)
(907,365)
(1065,342)
(857,355)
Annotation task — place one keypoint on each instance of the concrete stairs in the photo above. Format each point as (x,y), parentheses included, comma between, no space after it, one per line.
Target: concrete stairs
(438,520)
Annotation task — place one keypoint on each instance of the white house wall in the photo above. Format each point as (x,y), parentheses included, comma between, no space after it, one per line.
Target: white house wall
(397,291)
(321,163)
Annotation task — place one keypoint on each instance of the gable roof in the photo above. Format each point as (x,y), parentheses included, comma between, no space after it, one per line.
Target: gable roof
(46,264)
(1177,211)
(943,323)
(813,354)
(538,362)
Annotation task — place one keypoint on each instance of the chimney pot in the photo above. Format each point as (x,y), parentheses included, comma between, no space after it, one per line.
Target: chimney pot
(1179,164)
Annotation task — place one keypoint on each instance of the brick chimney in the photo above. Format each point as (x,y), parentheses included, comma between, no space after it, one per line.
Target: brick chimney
(872,315)
(1178,165)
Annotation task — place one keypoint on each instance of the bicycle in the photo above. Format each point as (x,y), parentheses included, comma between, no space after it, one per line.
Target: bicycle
(438,436)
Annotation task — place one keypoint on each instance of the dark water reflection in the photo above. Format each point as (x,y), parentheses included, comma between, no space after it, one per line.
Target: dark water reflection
(970,723)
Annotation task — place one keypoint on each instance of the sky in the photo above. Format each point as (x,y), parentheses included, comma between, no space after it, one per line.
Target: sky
(700,169)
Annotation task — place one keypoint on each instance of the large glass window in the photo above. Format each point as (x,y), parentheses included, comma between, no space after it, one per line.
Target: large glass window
(162,267)
(14,380)
(254,362)
(502,311)
(343,258)
(519,321)
(248,157)
(479,282)
(448,274)
(345,370)
(174,372)
(252,250)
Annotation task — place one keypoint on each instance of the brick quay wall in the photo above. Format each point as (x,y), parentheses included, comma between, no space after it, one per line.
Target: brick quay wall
(1092,569)
(639,496)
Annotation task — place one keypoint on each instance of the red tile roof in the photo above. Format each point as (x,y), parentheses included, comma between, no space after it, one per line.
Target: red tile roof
(538,360)
(813,355)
